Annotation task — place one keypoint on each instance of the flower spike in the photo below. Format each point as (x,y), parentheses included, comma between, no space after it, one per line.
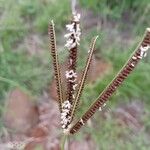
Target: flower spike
(137,55)
(51,32)
(69,105)
(83,78)
(72,42)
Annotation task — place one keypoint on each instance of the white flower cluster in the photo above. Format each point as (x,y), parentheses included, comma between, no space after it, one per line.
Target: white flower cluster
(70,74)
(65,118)
(144,51)
(73,37)
(74,86)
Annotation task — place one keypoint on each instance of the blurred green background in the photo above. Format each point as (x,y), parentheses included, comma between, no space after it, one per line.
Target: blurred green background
(25,61)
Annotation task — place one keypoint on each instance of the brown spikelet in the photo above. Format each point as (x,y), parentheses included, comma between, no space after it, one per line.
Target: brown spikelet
(83,78)
(51,32)
(116,82)
(70,90)
(72,66)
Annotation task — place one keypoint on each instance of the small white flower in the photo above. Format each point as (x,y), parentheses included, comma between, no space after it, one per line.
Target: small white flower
(74,86)
(65,118)
(145,54)
(75,32)
(100,109)
(68,35)
(140,57)
(69,118)
(66,106)
(77,17)
(134,58)
(63,115)
(70,74)
(66,111)
(69,43)
(72,81)
(77,42)
(70,46)
(71,61)
(132,64)
(63,126)
(70,27)
(144,50)
(81,120)
(104,104)
(73,45)
(65,103)
(65,121)
(142,53)
(78,27)
(77,38)
(73,96)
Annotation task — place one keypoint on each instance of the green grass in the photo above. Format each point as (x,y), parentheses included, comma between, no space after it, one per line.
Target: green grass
(20,19)
(127,13)
(116,9)
(19,69)
(112,136)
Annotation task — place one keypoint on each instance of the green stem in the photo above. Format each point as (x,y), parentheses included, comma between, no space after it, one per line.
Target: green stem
(63,141)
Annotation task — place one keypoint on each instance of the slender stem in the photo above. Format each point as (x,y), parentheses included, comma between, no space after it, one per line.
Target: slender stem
(73,6)
(63,141)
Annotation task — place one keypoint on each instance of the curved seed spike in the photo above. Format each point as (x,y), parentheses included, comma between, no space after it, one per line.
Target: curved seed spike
(116,82)
(51,32)
(83,78)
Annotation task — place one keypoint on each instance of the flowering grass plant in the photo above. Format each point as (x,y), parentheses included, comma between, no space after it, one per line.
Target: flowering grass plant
(69,103)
